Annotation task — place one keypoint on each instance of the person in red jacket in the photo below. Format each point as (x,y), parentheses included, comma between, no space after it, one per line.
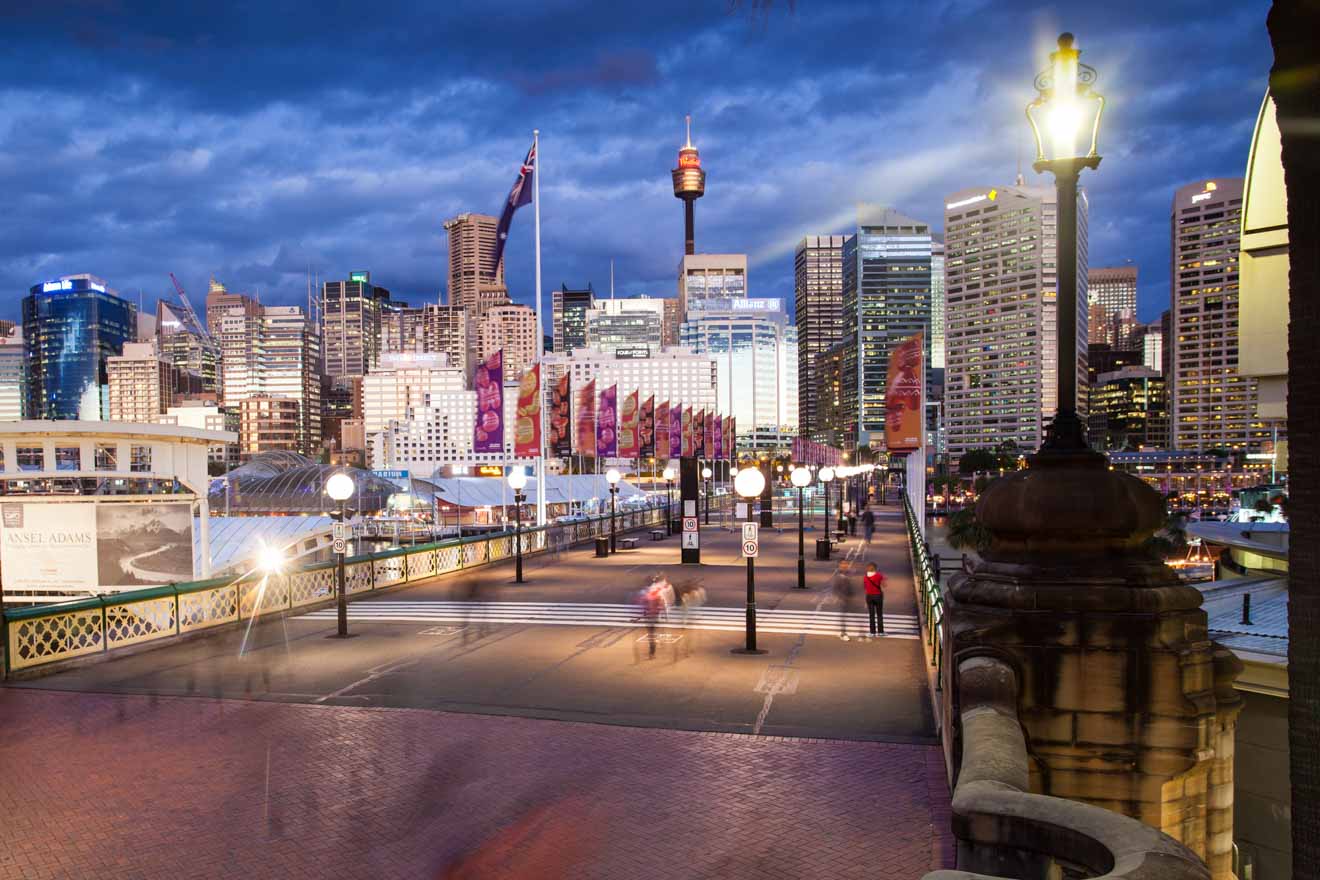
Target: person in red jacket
(874,582)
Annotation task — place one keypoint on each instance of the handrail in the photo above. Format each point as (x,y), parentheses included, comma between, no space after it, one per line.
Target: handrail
(1002,826)
(930,601)
(45,634)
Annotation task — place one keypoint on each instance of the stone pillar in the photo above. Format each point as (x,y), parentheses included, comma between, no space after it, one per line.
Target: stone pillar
(1125,702)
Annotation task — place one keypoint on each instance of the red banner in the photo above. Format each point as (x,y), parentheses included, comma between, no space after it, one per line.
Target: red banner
(607,423)
(646,428)
(584,441)
(675,430)
(662,430)
(488,382)
(686,424)
(903,417)
(561,435)
(527,423)
(629,447)
(719,437)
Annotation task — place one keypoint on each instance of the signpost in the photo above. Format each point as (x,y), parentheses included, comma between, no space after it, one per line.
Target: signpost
(751,541)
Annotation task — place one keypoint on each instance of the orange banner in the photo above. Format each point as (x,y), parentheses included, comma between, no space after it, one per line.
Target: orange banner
(527,421)
(904,420)
(628,423)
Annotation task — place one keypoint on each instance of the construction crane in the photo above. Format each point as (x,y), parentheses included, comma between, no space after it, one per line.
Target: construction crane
(197,326)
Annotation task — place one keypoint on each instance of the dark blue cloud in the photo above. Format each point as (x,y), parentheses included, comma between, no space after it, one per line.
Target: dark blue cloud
(258,141)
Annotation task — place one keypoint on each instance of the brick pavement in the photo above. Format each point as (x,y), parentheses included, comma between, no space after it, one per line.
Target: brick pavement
(127,786)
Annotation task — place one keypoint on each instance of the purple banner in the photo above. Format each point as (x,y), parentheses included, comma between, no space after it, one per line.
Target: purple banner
(675,430)
(489,385)
(607,429)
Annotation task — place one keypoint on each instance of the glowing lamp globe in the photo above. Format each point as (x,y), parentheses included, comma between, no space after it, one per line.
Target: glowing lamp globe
(801,477)
(668,474)
(1065,117)
(339,487)
(749,483)
(706,473)
(826,474)
(612,476)
(517,479)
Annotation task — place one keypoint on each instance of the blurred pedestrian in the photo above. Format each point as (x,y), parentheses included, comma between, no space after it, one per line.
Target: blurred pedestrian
(651,602)
(843,590)
(874,583)
(868,524)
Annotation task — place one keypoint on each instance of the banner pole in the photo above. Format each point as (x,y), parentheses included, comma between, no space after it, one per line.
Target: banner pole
(540,329)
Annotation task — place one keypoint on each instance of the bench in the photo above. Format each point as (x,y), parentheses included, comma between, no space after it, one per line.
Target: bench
(628,543)
(658,534)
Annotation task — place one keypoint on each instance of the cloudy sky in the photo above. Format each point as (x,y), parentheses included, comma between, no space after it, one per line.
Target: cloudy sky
(253,140)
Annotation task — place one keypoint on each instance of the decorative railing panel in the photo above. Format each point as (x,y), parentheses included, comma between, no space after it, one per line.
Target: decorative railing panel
(128,623)
(201,609)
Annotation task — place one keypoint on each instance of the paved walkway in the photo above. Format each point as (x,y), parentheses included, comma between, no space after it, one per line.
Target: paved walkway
(282,753)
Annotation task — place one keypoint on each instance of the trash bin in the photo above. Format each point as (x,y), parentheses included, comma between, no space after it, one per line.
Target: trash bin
(676,525)
(822,548)
(602,546)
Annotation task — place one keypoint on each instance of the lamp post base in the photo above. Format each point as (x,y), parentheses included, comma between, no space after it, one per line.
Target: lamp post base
(802,574)
(749,651)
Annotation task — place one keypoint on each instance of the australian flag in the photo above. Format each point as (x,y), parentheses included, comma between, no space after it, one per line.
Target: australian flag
(520,195)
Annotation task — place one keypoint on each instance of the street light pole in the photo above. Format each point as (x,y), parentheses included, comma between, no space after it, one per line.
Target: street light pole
(706,473)
(612,477)
(669,499)
(518,482)
(826,475)
(749,484)
(800,477)
(340,488)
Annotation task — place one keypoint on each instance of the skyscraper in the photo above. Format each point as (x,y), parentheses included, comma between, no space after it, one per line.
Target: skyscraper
(886,299)
(689,185)
(510,327)
(631,327)
(569,317)
(185,345)
(1112,297)
(937,319)
(1213,406)
(429,329)
(140,384)
(1000,380)
(705,277)
(13,375)
(351,316)
(71,326)
(818,310)
(476,279)
(756,349)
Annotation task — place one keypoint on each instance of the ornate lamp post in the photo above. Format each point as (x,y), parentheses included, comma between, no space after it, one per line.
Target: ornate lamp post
(826,476)
(669,499)
(1069,112)
(705,475)
(612,477)
(800,477)
(517,482)
(340,488)
(749,483)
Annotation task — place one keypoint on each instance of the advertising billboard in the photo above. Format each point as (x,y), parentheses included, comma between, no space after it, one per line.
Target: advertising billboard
(903,416)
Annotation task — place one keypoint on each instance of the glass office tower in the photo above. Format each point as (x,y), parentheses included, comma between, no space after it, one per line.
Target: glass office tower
(70,327)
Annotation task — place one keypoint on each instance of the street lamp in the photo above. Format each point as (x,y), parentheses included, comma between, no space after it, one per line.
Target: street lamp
(705,475)
(612,477)
(749,484)
(340,488)
(517,482)
(826,476)
(843,474)
(669,499)
(800,477)
(1068,109)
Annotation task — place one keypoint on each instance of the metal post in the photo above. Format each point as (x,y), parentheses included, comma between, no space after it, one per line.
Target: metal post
(342,586)
(517,535)
(707,501)
(669,506)
(750,646)
(802,546)
(825,512)
(614,491)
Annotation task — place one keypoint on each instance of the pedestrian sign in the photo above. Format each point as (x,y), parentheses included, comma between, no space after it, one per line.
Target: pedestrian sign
(690,524)
(691,540)
(340,545)
(751,545)
(339,531)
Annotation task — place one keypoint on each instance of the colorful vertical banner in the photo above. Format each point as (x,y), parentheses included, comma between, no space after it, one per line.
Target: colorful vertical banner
(719,437)
(607,423)
(675,430)
(488,382)
(629,416)
(685,431)
(584,440)
(646,428)
(697,435)
(527,419)
(903,416)
(561,421)
(662,430)
(733,438)
(708,426)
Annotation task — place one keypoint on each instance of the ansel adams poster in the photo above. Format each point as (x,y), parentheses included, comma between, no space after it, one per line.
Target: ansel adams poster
(48,546)
(143,544)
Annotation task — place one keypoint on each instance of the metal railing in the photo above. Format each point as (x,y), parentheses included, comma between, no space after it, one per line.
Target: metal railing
(930,600)
(48,634)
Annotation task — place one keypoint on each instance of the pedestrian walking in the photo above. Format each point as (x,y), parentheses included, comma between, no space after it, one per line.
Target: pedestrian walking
(843,589)
(651,602)
(868,524)
(874,582)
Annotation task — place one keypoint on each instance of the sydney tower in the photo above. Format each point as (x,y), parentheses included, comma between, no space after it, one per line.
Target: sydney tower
(689,185)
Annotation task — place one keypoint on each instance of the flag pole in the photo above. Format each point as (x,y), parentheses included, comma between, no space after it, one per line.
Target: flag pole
(540,331)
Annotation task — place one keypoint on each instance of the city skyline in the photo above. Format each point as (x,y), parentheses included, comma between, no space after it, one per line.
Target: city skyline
(210,172)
